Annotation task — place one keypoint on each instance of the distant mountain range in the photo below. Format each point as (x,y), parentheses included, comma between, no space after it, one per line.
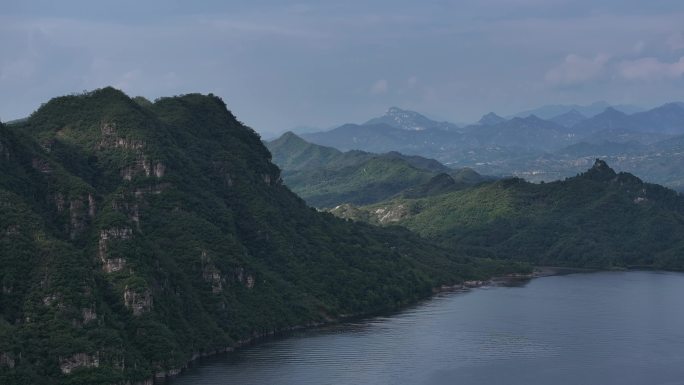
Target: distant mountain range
(553,110)
(531,146)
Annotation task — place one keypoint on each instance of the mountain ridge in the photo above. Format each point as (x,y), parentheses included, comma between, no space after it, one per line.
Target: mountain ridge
(599,218)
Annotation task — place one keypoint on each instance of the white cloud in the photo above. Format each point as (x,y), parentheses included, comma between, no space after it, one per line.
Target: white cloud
(650,68)
(379,87)
(576,69)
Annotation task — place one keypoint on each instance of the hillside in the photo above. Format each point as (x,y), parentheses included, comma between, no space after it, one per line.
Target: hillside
(597,219)
(326,177)
(137,236)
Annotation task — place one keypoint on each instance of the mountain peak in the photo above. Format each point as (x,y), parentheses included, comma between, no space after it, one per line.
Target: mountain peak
(600,171)
(490,119)
(290,135)
(612,111)
(409,120)
(600,165)
(569,118)
(396,110)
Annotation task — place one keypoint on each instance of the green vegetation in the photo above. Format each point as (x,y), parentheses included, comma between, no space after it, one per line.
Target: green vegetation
(326,177)
(598,219)
(137,235)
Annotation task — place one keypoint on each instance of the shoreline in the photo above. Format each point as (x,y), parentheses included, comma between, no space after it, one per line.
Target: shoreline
(165,376)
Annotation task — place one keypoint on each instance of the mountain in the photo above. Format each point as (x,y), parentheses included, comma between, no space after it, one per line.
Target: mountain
(528,133)
(290,152)
(446,182)
(138,236)
(553,110)
(519,134)
(645,127)
(569,119)
(490,119)
(326,177)
(666,119)
(384,138)
(599,218)
(410,120)
(609,119)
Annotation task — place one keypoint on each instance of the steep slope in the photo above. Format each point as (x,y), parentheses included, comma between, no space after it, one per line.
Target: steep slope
(597,219)
(136,236)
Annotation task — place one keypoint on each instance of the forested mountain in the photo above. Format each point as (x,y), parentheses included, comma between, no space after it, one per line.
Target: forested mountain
(326,177)
(599,218)
(136,236)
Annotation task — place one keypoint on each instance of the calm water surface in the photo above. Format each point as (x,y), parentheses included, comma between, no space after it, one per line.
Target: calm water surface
(597,328)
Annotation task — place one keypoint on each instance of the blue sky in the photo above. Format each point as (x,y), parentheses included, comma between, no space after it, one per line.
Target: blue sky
(280,64)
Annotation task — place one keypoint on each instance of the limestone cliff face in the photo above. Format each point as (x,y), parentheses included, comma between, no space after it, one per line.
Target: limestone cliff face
(82,211)
(112,263)
(6,360)
(79,360)
(138,301)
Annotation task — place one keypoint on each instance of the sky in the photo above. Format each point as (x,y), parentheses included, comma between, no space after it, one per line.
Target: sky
(280,64)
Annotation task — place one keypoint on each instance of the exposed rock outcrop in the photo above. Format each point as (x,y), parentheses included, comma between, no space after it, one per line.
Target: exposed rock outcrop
(78,360)
(110,263)
(391,214)
(142,165)
(138,302)
(6,360)
(243,277)
(211,274)
(42,165)
(88,315)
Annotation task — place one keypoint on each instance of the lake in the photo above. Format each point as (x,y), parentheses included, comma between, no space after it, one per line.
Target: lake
(593,328)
